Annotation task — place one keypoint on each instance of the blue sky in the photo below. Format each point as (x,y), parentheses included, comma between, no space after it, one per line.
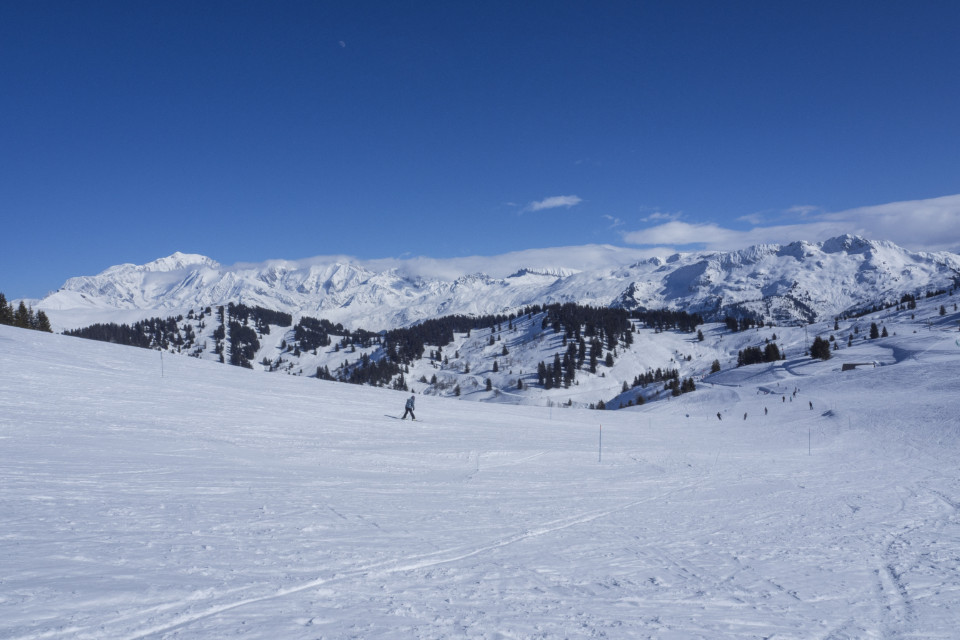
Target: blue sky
(248,131)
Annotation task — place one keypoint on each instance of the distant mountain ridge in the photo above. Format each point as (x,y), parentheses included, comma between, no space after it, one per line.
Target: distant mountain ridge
(796,283)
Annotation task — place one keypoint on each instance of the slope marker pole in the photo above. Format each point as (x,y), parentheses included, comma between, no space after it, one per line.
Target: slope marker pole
(600,449)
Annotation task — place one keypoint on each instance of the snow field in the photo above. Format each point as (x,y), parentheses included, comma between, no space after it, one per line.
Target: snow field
(218,502)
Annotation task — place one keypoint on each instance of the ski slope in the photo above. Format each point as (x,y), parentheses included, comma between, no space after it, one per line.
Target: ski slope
(177,498)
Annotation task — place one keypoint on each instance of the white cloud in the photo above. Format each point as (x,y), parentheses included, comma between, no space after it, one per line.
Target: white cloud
(660,215)
(803,210)
(675,233)
(919,225)
(614,222)
(553,202)
(581,258)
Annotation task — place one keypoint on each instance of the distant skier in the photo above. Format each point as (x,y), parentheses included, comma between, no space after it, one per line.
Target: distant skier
(811,405)
(719,417)
(408,408)
(764,411)
(744,416)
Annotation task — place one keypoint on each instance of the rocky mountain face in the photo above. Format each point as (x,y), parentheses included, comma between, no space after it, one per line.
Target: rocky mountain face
(795,283)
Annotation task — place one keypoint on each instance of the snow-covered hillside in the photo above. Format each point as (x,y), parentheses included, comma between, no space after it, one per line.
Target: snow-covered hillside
(499,363)
(791,284)
(158,497)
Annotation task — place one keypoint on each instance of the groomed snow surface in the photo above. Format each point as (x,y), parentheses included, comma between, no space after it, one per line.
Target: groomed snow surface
(142,498)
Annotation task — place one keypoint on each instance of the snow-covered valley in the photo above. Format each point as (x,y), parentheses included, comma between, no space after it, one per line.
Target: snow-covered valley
(149,496)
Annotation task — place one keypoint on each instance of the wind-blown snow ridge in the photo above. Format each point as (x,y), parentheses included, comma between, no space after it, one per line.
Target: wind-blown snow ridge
(795,283)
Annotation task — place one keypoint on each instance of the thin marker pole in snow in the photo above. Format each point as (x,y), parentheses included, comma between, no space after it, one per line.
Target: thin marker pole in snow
(161,364)
(600,449)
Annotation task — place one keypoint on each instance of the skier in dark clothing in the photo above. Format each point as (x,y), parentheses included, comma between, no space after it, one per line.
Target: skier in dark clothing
(719,417)
(409,409)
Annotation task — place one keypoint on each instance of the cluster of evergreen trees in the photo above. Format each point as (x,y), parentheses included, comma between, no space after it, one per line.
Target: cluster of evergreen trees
(23,316)
(667,320)
(408,344)
(907,301)
(657,376)
(260,317)
(671,377)
(154,333)
(742,324)
(311,334)
(820,348)
(755,355)
(559,372)
(608,325)
(239,328)
(377,373)
(244,344)
(600,325)
(678,387)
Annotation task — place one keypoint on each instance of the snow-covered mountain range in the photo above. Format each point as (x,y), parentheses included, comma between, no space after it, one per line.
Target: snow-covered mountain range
(797,283)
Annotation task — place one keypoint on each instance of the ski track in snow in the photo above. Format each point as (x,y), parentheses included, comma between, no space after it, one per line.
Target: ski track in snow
(216,502)
(410,563)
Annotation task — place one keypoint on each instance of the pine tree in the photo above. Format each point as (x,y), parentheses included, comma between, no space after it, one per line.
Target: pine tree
(595,349)
(22,317)
(43,322)
(6,310)
(874,331)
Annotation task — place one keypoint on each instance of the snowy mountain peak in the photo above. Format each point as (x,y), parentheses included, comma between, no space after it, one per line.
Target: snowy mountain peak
(847,243)
(553,272)
(178,260)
